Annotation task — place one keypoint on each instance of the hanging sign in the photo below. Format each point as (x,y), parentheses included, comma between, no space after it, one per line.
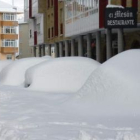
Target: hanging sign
(121,18)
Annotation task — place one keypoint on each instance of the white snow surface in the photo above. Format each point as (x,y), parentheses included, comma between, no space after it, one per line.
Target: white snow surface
(105,108)
(113,87)
(4,63)
(66,74)
(114,6)
(14,73)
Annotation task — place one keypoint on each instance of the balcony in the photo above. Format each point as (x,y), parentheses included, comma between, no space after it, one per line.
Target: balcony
(85,22)
(9,36)
(9,23)
(8,50)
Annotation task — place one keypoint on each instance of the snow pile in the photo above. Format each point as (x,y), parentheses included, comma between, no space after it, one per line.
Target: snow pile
(14,74)
(113,88)
(61,74)
(4,63)
(105,108)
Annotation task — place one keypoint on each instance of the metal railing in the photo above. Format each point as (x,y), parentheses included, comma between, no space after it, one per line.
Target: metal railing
(82,15)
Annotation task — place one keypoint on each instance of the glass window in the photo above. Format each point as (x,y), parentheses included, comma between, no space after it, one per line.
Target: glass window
(30,34)
(38,28)
(9,16)
(9,30)
(69,9)
(9,43)
(9,56)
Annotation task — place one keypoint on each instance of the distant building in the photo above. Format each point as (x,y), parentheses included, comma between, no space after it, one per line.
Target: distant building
(35,16)
(24,49)
(46,27)
(8,31)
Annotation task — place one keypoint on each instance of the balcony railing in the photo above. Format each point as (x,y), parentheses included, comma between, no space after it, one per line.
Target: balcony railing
(8,50)
(82,15)
(82,22)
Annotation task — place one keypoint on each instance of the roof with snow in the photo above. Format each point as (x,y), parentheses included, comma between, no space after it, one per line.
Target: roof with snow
(5,7)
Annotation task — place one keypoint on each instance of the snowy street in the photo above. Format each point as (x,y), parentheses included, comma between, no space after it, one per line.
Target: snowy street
(70,98)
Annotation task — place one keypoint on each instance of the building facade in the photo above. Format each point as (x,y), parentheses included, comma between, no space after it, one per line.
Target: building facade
(8,31)
(35,16)
(46,26)
(55,29)
(24,49)
(77,28)
(84,23)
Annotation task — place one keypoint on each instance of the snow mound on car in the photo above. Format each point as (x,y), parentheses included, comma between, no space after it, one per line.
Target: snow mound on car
(61,74)
(4,63)
(113,89)
(14,74)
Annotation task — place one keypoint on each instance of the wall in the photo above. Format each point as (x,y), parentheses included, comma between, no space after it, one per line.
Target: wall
(24,48)
(4,57)
(34,8)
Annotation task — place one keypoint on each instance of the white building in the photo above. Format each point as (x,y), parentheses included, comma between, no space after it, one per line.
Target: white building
(34,15)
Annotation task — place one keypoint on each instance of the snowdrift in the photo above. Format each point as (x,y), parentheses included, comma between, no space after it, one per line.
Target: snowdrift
(113,89)
(67,74)
(4,63)
(105,108)
(14,74)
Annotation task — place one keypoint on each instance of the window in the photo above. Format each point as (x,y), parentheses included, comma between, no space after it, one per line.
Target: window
(61,21)
(52,2)
(49,33)
(9,16)
(30,34)
(52,50)
(61,28)
(38,28)
(9,30)
(9,56)
(9,43)
(52,32)
(48,3)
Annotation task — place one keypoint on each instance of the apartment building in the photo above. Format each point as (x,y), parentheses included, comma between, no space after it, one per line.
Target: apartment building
(84,24)
(8,31)
(46,26)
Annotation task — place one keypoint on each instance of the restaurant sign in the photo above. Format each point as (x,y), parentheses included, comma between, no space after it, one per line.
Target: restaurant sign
(121,18)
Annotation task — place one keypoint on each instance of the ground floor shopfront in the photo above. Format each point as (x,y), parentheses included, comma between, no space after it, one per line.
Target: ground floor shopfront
(100,45)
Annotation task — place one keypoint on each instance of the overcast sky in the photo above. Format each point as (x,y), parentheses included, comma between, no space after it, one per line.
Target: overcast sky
(19,3)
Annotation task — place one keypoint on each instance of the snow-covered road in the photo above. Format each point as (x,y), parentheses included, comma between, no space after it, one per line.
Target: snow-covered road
(29,115)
